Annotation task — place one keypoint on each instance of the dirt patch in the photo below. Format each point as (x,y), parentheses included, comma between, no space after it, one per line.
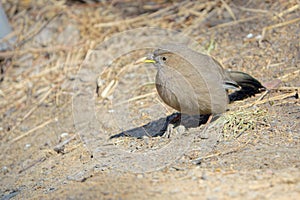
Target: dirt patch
(252,151)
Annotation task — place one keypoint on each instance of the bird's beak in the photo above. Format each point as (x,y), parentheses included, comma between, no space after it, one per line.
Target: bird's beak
(147,60)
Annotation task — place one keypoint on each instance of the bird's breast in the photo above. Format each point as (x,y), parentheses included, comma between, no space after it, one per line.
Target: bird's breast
(188,92)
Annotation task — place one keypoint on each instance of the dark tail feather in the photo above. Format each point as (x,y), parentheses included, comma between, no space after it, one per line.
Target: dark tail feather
(245,81)
(249,85)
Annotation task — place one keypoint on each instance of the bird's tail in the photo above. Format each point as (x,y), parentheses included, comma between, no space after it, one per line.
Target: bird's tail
(249,85)
(245,81)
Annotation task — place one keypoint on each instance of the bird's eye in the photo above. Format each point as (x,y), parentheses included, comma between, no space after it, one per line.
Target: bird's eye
(164,58)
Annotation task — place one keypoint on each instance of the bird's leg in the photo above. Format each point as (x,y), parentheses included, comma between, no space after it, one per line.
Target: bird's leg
(209,119)
(171,122)
(169,131)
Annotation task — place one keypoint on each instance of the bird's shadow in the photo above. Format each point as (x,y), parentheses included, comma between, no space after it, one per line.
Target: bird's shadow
(159,127)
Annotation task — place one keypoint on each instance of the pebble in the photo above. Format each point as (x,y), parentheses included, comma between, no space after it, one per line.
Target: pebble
(5,170)
(64,135)
(140,176)
(27,146)
(250,35)
(258,37)
(180,129)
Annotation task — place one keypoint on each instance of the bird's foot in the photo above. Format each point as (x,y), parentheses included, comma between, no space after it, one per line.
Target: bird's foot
(173,130)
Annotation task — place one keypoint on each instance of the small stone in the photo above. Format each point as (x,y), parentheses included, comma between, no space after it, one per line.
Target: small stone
(140,176)
(27,146)
(250,35)
(5,170)
(180,129)
(146,139)
(258,37)
(64,135)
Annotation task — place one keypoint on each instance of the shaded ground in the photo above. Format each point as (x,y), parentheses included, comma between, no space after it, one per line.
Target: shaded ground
(42,155)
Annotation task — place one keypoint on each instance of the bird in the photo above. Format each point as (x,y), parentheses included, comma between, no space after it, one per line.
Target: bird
(194,83)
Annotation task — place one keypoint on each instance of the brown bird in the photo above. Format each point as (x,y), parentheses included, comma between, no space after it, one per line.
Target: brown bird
(194,83)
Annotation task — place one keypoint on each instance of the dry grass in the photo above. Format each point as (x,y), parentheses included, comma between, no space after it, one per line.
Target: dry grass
(39,68)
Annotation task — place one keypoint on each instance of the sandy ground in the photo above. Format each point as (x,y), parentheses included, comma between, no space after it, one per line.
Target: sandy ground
(251,152)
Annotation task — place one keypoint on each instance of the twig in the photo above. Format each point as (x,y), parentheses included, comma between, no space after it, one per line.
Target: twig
(109,88)
(289,10)
(285,102)
(227,7)
(286,76)
(287,89)
(254,10)
(32,130)
(276,98)
(265,29)
(234,22)
(33,109)
(31,35)
(136,98)
(7,54)
(222,153)
(31,165)
(60,147)
(118,22)
(263,95)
